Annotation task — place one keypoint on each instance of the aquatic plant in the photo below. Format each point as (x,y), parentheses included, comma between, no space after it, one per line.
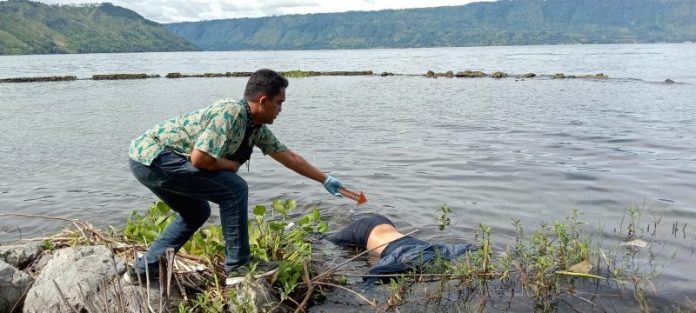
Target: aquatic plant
(443,220)
(553,264)
(273,236)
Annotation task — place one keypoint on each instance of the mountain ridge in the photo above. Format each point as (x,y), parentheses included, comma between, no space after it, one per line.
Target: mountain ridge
(518,22)
(28,27)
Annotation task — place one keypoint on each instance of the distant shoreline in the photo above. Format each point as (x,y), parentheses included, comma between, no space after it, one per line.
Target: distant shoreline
(359,49)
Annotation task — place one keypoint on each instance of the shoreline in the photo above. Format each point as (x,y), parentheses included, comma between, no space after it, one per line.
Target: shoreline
(557,256)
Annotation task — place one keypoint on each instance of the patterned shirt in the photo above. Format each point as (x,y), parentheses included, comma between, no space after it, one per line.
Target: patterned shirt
(217,130)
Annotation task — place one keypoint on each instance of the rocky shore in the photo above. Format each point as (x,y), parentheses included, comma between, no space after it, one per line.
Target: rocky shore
(36,279)
(299,73)
(81,270)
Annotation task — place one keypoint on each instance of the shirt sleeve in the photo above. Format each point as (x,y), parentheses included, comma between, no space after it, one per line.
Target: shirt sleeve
(223,131)
(267,142)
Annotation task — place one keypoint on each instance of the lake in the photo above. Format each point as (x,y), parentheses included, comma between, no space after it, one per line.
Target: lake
(493,150)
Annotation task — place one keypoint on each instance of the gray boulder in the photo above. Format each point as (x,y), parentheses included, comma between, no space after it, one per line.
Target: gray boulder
(499,75)
(73,276)
(128,298)
(20,255)
(256,297)
(13,284)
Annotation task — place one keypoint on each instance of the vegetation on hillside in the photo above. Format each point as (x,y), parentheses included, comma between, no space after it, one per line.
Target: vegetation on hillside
(35,28)
(519,22)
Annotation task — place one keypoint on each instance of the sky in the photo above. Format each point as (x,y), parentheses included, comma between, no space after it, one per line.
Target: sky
(168,11)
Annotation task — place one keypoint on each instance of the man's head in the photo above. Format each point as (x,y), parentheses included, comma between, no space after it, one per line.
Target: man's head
(265,92)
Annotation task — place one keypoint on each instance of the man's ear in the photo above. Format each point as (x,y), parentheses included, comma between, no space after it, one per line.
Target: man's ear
(262,99)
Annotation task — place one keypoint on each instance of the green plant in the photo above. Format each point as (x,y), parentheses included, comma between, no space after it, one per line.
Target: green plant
(47,245)
(273,236)
(443,220)
(146,228)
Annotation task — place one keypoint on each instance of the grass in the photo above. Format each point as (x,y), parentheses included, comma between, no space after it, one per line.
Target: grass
(558,263)
(554,265)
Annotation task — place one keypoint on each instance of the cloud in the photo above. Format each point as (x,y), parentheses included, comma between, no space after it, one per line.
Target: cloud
(167,11)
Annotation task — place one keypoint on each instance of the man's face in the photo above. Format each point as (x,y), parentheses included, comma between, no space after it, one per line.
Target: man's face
(272,106)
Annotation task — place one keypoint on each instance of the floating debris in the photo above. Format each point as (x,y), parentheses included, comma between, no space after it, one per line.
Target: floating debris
(582,267)
(636,243)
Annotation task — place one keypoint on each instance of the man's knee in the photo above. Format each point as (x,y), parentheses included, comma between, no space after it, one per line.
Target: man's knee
(195,216)
(236,185)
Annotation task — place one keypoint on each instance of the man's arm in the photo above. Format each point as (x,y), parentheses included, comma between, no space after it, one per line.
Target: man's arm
(205,161)
(298,164)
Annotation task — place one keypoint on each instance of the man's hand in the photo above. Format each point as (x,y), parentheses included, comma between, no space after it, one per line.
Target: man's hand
(332,185)
(206,162)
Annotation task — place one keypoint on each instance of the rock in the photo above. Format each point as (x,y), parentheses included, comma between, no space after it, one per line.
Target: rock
(430,74)
(241,74)
(40,263)
(601,76)
(122,76)
(13,284)
(529,75)
(38,79)
(79,272)
(386,74)
(669,81)
(470,74)
(135,298)
(449,74)
(21,255)
(499,75)
(344,73)
(257,296)
(174,75)
(558,76)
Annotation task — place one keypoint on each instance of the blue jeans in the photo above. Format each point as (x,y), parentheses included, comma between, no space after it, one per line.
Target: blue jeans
(187,190)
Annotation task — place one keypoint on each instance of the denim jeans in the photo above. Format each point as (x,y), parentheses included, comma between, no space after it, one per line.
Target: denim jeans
(187,190)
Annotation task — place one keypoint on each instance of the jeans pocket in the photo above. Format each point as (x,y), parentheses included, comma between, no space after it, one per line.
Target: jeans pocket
(173,164)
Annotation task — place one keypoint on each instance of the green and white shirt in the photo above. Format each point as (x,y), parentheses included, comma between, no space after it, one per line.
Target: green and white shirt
(217,130)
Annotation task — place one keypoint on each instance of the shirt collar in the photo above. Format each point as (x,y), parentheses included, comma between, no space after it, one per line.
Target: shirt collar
(250,117)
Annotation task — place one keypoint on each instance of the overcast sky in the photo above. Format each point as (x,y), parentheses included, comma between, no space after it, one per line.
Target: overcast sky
(166,11)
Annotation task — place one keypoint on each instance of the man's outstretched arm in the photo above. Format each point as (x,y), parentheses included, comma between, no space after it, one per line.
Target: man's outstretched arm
(298,164)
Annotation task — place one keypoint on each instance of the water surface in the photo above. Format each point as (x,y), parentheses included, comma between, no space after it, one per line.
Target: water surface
(493,150)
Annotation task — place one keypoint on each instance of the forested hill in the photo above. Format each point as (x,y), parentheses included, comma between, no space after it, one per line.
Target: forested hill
(36,28)
(519,22)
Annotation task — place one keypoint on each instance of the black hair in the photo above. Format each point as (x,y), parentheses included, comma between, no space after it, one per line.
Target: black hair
(268,82)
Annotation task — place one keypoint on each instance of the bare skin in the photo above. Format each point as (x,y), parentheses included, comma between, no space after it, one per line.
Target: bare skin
(380,236)
(264,110)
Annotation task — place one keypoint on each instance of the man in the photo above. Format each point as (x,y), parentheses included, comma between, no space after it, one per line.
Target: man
(192,159)
(398,253)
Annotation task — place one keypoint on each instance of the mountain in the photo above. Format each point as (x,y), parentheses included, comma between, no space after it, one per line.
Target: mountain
(36,28)
(518,22)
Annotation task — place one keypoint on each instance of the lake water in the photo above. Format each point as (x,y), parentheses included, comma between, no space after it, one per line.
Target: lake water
(493,150)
